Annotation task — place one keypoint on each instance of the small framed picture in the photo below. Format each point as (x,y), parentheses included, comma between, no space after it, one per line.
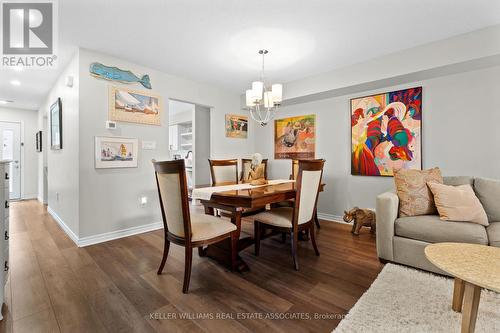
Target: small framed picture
(115,152)
(56,125)
(236,126)
(38,139)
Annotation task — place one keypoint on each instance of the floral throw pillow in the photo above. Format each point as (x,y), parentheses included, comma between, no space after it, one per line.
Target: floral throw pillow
(415,197)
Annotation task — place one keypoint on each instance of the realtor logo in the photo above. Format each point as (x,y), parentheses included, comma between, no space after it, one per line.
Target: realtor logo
(28,34)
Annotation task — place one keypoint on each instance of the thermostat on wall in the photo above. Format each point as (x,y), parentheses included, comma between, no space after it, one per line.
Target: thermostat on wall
(110,124)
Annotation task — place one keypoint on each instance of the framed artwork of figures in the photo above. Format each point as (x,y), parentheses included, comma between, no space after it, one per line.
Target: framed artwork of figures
(386,132)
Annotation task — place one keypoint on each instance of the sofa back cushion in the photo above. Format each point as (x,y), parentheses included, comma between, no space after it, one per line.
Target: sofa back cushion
(458,180)
(415,198)
(488,192)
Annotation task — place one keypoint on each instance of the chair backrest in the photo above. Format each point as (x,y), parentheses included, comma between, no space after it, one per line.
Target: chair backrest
(307,184)
(172,190)
(224,171)
(246,165)
(295,170)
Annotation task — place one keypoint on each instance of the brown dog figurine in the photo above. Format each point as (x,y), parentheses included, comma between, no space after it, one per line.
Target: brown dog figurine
(361,217)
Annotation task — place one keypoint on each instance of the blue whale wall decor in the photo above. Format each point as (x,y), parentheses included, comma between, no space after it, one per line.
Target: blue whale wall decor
(116,74)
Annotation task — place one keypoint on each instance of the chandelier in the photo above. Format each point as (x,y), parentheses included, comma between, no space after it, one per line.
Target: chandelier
(263,100)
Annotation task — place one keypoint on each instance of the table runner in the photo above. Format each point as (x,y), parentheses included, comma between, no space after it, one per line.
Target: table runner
(205,193)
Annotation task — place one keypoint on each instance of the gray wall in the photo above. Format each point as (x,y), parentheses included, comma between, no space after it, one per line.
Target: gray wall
(202,144)
(63,190)
(110,198)
(29,172)
(460,135)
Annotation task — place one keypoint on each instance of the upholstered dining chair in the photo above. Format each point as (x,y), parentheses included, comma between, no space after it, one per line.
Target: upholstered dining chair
(246,165)
(293,176)
(180,226)
(224,171)
(298,218)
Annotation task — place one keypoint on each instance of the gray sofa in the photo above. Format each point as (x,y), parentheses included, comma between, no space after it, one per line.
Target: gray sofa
(403,239)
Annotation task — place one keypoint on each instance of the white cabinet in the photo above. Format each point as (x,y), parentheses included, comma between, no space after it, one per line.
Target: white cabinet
(173,137)
(180,136)
(4,229)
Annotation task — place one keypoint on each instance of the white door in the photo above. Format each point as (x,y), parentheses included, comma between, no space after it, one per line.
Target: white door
(10,134)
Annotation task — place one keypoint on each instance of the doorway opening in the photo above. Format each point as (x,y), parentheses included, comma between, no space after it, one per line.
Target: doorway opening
(10,134)
(189,139)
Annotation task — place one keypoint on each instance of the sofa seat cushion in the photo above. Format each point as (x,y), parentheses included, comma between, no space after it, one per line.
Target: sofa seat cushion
(493,231)
(429,228)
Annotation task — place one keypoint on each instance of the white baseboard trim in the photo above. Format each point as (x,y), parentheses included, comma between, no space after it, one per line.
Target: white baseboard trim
(63,225)
(331,217)
(107,236)
(104,237)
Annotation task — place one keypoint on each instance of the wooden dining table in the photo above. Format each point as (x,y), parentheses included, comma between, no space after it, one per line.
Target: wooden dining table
(239,203)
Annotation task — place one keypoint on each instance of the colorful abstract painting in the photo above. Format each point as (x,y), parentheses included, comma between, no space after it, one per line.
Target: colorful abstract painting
(236,126)
(295,137)
(386,132)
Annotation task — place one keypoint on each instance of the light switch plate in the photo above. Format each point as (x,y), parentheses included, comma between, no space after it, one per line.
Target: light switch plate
(149,145)
(110,124)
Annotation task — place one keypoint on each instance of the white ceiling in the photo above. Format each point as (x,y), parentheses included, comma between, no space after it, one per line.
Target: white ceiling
(216,41)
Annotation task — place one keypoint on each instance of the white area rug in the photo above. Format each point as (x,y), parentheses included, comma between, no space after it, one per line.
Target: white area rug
(408,300)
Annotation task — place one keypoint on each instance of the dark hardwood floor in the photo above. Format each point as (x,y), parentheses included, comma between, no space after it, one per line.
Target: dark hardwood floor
(55,286)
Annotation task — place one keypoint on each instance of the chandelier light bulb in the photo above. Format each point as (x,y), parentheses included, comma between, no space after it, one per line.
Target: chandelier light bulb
(258,88)
(268,99)
(277,90)
(250,98)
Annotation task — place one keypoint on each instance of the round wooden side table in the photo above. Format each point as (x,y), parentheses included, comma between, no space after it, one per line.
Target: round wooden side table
(474,267)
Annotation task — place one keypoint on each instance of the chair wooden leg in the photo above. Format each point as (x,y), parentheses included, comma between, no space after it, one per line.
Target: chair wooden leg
(202,252)
(295,239)
(316,220)
(187,269)
(313,239)
(166,247)
(257,237)
(234,250)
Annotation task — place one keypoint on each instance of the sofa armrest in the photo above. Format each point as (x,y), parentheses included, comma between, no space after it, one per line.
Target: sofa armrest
(387,213)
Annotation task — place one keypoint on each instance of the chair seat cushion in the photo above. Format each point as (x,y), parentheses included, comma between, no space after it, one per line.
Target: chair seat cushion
(429,228)
(205,227)
(493,231)
(280,217)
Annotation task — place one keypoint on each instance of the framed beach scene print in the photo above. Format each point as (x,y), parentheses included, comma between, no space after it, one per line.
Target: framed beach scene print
(295,137)
(134,106)
(56,125)
(386,132)
(236,126)
(115,152)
